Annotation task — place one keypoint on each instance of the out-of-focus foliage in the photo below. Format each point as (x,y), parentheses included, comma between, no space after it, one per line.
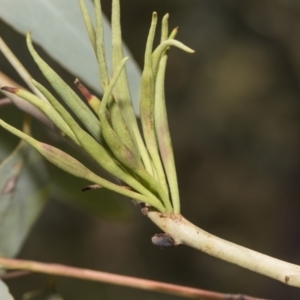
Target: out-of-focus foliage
(24,191)
(101,203)
(48,292)
(4,292)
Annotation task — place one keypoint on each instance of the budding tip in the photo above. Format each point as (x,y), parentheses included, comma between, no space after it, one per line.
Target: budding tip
(84,91)
(77,82)
(91,187)
(9,89)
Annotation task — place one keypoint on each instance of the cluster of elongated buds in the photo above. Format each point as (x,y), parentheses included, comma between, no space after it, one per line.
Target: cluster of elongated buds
(107,129)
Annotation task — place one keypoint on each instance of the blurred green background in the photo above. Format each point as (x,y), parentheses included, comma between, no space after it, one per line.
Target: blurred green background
(234,113)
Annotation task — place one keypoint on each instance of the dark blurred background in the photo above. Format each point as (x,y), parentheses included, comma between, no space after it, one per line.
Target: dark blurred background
(234,113)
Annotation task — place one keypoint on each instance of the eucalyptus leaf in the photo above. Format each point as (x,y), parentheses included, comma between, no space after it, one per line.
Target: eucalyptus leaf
(24,191)
(59,28)
(8,142)
(6,146)
(4,292)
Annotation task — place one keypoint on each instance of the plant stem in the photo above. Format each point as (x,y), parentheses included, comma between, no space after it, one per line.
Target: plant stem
(5,102)
(186,233)
(19,67)
(144,284)
(21,103)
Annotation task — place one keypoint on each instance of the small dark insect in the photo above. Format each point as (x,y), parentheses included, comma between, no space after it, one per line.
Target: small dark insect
(163,240)
(91,187)
(143,207)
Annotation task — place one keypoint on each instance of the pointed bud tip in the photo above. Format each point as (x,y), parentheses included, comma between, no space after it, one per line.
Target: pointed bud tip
(10,89)
(84,91)
(91,187)
(28,36)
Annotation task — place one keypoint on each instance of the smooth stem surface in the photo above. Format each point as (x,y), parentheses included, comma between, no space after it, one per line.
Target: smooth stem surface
(21,103)
(184,232)
(5,102)
(144,284)
(19,67)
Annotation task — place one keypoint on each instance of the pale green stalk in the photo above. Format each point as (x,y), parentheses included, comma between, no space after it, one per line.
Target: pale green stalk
(163,135)
(164,28)
(121,128)
(46,108)
(161,122)
(162,47)
(121,152)
(74,167)
(94,149)
(84,114)
(100,47)
(121,92)
(147,93)
(185,233)
(18,66)
(88,23)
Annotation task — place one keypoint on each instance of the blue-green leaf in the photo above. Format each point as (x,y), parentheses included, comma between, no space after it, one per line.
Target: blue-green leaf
(24,191)
(4,292)
(72,48)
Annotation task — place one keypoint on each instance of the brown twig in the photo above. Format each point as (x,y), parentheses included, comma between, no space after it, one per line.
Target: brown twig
(150,285)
